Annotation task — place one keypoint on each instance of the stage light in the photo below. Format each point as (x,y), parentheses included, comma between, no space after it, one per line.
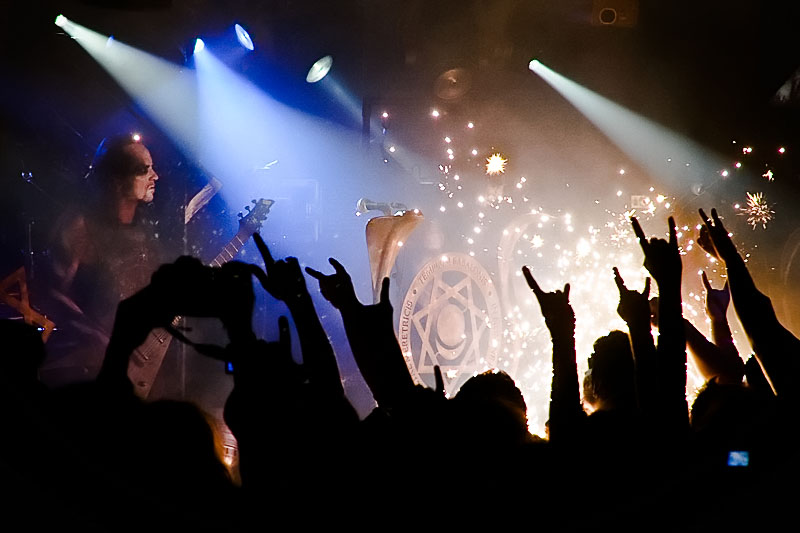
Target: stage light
(199,45)
(244,37)
(533,65)
(319,69)
(136,137)
(61,21)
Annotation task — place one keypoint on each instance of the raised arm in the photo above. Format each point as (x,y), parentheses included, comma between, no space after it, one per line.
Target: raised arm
(717,301)
(775,347)
(720,358)
(662,259)
(371,336)
(634,309)
(284,281)
(566,412)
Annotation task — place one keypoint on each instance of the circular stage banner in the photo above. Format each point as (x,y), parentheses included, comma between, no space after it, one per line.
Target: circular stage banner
(450,317)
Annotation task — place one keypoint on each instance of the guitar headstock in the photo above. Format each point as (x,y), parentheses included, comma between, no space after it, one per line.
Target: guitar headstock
(256,215)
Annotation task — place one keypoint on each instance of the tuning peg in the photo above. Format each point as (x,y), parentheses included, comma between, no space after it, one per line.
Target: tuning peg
(253,201)
(240,214)
(247,207)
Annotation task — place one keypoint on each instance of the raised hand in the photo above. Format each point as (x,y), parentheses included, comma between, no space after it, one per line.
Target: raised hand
(720,237)
(283,279)
(337,288)
(566,413)
(705,242)
(557,311)
(661,257)
(370,332)
(633,306)
(661,381)
(717,300)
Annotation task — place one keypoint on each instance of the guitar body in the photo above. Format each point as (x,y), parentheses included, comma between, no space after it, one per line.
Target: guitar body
(146,361)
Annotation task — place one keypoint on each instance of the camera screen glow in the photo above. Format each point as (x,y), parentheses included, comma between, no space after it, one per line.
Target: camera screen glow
(738,458)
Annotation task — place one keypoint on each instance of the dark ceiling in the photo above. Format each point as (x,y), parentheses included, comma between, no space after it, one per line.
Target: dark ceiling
(697,66)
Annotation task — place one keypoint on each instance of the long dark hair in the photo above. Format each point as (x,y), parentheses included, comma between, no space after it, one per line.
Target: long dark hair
(112,165)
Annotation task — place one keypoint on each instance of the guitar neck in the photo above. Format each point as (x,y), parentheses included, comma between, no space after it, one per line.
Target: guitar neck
(230,250)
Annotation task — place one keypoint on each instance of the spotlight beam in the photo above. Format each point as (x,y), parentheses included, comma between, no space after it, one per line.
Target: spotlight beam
(165,91)
(659,150)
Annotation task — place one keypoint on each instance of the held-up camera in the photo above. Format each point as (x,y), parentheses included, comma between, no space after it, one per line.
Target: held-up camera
(189,288)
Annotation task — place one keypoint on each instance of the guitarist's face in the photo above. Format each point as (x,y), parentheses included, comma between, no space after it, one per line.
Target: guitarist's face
(144,177)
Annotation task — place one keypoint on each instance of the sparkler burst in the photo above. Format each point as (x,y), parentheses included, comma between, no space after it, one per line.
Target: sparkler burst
(757,210)
(496,164)
(505,227)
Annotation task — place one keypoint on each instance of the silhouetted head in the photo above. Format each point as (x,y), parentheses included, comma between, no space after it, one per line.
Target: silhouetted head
(185,447)
(493,407)
(23,352)
(610,382)
(723,408)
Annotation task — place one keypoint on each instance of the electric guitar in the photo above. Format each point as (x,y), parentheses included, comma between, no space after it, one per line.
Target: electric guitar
(146,360)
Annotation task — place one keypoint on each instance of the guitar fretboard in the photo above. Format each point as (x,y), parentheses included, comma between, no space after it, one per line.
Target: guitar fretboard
(229,251)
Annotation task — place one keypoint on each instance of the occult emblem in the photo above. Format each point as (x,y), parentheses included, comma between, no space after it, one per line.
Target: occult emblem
(450,317)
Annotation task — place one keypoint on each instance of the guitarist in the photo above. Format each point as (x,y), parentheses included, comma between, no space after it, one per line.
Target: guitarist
(101,253)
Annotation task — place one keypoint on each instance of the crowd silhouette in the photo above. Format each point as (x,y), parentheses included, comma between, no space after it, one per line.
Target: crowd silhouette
(623,448)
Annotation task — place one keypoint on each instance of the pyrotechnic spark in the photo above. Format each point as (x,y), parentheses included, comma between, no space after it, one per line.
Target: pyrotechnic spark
(495,164)
(769,175)
(757,210)
(560,248)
